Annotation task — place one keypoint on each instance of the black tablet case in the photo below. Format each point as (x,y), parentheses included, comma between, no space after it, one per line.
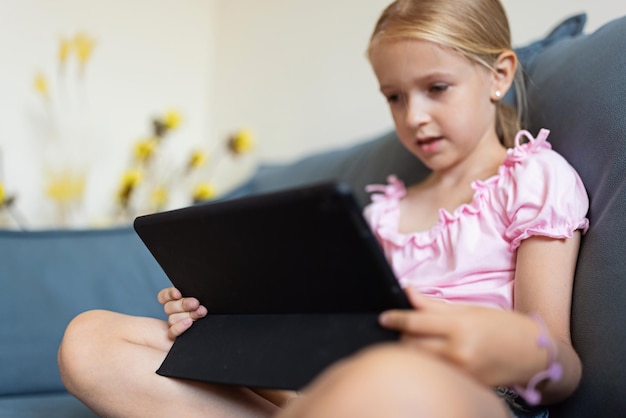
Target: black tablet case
(293,280)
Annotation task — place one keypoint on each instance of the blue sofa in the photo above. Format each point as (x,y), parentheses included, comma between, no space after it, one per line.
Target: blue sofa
(577,88)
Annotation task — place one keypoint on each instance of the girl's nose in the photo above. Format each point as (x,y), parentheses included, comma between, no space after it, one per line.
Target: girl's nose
(417,112)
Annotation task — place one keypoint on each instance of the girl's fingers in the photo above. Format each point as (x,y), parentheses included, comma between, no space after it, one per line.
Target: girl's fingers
(415,297)
(201,312)
(181,305)
(168,294)
(417,323)
(433,345)
(422,302)
(177,328)
(180,316)
(181,312)
(431,317)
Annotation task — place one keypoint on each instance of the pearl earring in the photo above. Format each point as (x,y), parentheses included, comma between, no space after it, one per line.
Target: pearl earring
(498,94)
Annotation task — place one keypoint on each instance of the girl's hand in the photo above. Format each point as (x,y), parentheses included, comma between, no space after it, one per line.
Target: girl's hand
(498,348)
(181,312)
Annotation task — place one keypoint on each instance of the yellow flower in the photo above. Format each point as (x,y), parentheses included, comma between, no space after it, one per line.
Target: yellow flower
(241,142)
(204,191)
(6,200)
(159,196)
(65,186)
(41,84)
(145,148)
(197,159)
(65,46)
(172,119)
(83,46)
(131,178)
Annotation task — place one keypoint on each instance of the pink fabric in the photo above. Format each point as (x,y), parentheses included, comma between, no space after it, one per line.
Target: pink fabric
(469,255)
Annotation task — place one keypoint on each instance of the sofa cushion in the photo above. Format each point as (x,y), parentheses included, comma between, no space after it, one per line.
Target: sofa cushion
(48,277)
(56,405)
(360,165)
(568,28)
(577,90)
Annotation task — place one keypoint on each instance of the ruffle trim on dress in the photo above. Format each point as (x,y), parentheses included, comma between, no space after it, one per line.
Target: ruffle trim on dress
(565,231)
(387,196)
(517,155)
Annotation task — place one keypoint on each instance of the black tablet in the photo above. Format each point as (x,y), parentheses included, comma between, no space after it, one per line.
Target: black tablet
(293,280)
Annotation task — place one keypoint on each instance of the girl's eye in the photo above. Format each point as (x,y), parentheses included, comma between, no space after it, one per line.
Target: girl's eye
(438,88)
(393,98)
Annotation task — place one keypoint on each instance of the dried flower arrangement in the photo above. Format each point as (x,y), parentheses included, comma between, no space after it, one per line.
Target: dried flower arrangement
(65,119)
(145,186)
(9,213)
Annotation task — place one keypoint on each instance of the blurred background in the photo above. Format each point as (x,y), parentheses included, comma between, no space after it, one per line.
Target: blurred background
(285,78)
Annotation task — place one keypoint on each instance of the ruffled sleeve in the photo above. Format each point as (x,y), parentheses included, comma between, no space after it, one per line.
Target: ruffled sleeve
(542,193)
(385,198)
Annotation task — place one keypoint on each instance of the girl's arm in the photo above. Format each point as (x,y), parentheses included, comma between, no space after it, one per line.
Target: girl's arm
(543,285)
(499,348)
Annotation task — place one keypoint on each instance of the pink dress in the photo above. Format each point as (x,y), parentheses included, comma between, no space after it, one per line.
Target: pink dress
(469,255)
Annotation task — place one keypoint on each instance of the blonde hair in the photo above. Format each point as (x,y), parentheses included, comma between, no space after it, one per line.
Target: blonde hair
(477,29)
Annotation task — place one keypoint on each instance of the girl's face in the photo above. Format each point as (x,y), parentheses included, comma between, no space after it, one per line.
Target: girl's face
(441,102)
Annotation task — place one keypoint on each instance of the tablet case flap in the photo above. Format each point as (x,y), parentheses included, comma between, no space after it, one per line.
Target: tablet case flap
(269,351)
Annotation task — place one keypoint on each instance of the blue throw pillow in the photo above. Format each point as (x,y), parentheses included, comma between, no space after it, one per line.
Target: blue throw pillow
(568,28)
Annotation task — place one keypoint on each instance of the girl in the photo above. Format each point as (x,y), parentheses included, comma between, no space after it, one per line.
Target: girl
(494,231)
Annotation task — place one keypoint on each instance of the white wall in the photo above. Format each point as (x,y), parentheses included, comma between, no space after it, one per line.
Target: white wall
(294,71)
(150,56)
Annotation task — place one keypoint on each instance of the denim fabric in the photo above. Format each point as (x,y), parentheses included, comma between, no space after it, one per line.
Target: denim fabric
(518,407)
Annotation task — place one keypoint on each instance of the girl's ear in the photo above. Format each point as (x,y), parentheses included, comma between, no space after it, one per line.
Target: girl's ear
(503,75)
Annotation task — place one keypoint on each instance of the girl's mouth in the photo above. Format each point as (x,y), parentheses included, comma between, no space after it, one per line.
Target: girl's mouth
(429,145)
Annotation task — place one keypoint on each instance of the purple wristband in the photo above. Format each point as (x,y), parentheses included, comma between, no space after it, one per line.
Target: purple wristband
(554,371)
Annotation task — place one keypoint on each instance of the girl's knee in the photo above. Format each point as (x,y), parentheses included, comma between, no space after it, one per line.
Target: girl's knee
(390,363)
(385,380)
(84,327)
(82,334)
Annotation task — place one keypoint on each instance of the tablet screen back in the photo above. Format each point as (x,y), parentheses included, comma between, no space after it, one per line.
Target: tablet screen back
(302,250)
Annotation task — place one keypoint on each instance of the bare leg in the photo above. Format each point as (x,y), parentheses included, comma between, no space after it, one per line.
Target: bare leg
(108,360)
(394,381)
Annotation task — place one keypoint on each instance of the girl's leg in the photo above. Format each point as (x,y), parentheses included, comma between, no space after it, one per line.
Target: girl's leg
(108,360)
(395,381)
